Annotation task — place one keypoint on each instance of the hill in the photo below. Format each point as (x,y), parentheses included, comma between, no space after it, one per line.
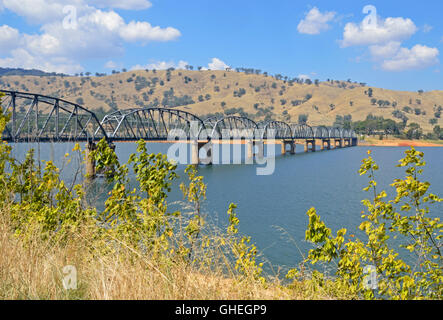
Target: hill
(257,96)
(25,72)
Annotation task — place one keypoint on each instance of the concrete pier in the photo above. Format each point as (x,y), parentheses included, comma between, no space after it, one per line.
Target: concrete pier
(285,143)
(325,144)
(310,146)
(196,146)
(250,149)
(338,143)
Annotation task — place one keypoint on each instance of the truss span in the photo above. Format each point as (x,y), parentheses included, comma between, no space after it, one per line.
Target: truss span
(36,117)
(232,127)
(153,124)
(40,118)
(276,130)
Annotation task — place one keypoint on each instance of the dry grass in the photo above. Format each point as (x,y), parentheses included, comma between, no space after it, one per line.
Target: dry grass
(393,142)
(33,270)
(318,107)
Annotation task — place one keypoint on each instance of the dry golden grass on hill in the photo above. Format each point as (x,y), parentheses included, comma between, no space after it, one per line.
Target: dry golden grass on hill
(262,95)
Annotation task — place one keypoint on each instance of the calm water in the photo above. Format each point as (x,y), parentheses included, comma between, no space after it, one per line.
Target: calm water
(272,209)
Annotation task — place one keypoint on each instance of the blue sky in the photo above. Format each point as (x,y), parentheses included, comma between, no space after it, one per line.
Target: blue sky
(399,49)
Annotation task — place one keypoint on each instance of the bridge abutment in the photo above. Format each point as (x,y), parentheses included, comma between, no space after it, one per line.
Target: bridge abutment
(354,142)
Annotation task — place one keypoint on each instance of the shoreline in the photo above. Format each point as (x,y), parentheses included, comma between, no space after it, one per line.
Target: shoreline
(398,143)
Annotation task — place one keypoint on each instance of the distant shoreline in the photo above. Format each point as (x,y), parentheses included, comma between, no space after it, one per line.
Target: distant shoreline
(399,143)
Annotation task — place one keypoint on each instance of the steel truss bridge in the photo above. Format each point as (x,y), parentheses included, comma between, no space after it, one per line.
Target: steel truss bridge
(40,118)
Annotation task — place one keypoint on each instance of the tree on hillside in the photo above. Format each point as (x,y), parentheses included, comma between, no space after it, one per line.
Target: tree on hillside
(414,131)
(302,119)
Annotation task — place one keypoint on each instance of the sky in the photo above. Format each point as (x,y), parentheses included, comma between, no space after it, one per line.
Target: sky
(390,44)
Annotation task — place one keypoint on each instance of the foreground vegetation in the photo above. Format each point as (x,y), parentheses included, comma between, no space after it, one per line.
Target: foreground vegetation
(137,248)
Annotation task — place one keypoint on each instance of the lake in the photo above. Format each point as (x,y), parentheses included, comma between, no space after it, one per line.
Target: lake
(272,209)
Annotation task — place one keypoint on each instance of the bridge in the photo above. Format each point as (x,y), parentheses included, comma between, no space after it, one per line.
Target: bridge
(41,118)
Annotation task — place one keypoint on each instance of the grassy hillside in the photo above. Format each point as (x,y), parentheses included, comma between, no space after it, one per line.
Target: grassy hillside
(229,92)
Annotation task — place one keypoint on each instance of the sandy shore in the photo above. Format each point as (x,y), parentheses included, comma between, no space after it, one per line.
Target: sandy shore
(398,143)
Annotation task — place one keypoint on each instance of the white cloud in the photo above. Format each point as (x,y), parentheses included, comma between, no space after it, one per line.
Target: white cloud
(143,31)
(418,57)
(384,51)
(122,4)
(393,57)
(45,11)
(384,40)
(391,29)
(427,28)
(99,34)
(315,22)
(303,76)
(111,65)
(161,65)
(37,11)
(217,64)
(20,58)
(8,38)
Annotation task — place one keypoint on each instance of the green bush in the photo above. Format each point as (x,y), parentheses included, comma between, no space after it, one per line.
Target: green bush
(405,218)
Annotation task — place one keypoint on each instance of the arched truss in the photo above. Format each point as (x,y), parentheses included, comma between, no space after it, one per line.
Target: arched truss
(211,122)
(321,132)
(302,131)
(35,117)
(153,124)
(40,118)
(234,127)
(276,130)
(346,134)
(336,133)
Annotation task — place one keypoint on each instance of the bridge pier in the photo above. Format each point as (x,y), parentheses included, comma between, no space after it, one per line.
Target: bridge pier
(196,146)
(328,144)
(284,143)
(249,149)
(90,163)
(250,145)
(339,142)
(310,145)
(347,143)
